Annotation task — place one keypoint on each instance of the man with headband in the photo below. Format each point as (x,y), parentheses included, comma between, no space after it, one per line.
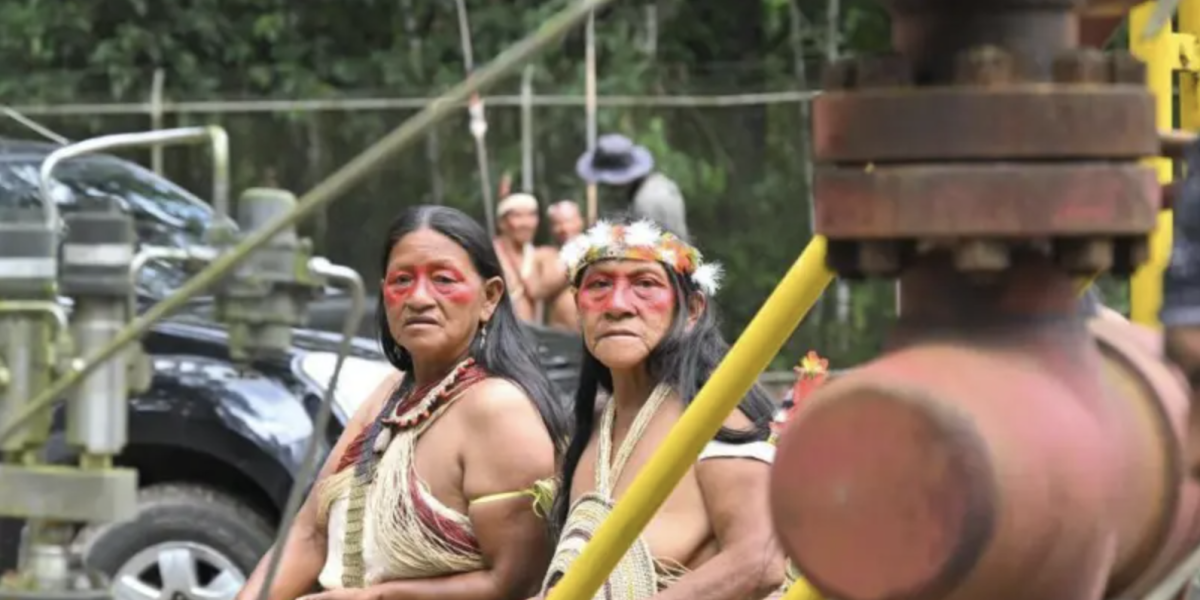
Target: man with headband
(517,220)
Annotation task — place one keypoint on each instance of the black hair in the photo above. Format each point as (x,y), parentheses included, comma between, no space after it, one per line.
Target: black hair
(509,353)
(684,359)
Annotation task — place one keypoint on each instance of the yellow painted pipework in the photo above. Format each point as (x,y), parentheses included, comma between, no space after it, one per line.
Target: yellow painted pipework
(802,590)
(1164,55)
(751,353)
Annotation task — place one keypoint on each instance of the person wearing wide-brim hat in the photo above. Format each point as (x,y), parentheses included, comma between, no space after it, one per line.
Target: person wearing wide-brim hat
(618,162)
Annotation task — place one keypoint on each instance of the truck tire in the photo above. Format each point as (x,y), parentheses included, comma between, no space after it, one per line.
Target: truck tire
(188,541)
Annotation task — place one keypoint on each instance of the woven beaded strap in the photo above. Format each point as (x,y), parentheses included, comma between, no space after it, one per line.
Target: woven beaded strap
(353,570)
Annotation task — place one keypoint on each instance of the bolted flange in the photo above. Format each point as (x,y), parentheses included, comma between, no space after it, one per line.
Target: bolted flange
(1006,152)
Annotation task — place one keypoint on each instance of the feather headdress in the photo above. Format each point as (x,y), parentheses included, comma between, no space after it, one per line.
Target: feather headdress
(641,240)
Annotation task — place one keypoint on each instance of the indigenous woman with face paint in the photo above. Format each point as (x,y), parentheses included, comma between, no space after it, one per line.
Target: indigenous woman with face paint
(651,338)
(439,486)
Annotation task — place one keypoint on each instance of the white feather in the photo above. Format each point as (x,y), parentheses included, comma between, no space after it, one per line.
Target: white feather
(708,278)
(642,234)
(573,252)
(600,235)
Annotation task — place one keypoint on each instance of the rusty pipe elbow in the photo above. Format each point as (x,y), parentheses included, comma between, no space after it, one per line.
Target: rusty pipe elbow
(953,469)
(1155,390)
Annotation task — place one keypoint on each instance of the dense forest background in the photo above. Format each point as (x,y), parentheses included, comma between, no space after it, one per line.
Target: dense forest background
(742,168)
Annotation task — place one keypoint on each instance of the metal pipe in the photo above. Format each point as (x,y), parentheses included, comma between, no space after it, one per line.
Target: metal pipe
(995,451)
(527,129)
(33,306)
(97,418)
(166,137)
(38,128)
(478,122)
(212,107)
(149,253)
(308,467)
(751,353)
(325,192)
(590,111)
(156,118)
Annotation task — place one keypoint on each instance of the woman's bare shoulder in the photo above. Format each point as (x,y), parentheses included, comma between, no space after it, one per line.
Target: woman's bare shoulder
(497,398)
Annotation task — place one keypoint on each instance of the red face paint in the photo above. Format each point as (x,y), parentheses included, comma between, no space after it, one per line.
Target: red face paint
(636,292)
(438,281)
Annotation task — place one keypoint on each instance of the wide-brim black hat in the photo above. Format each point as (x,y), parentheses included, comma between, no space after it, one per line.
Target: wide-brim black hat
(616,160)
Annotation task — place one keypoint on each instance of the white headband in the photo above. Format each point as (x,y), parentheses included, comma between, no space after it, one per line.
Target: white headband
(516,201)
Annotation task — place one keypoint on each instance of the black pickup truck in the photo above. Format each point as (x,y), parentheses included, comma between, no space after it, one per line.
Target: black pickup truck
(216,448)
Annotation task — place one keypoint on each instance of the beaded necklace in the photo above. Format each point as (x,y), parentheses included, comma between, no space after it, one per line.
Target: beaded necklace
(423,402)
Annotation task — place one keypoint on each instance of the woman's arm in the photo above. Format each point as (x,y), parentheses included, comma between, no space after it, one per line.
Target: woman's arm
(304,551)
(506,449)
(749,563)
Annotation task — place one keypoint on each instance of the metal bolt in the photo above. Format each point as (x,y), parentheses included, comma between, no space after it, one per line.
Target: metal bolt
(883,71)
(981,256)
(1084,65)
(1085,256)
(840,75)
(986,66)
(1126,68)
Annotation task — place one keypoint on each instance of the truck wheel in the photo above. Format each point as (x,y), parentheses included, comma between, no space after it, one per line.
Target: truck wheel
(188,542)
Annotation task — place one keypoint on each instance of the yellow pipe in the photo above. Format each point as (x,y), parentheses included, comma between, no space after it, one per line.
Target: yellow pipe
(1160,53)
(802,590)
(1189,100)
(751,353)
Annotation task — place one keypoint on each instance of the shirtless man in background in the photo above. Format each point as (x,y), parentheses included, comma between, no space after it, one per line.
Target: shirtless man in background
(517,220)
(566,222)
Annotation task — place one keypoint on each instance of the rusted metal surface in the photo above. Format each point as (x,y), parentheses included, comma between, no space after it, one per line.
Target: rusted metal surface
(1028,122)
(988,122)
(995,452)
(998,449)
(1002,200)
(1156,393)
(1182,345)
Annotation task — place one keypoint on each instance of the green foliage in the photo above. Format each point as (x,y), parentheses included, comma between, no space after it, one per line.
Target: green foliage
(741,169)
